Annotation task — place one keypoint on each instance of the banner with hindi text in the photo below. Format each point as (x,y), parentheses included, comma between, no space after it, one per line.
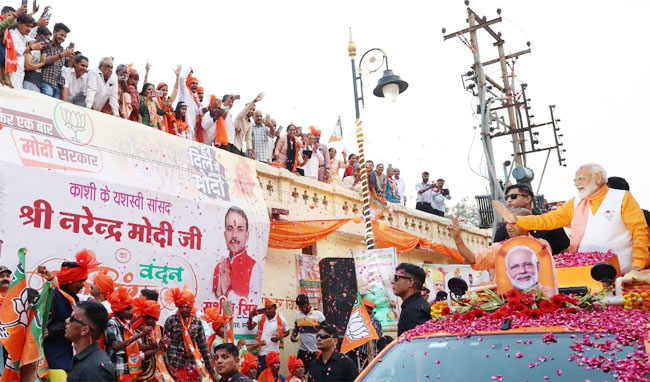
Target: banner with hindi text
(152,206)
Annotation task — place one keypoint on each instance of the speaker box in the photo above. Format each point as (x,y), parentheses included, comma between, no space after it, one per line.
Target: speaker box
(339,290)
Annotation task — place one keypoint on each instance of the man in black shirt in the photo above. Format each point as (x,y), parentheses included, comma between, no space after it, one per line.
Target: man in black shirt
(407,284)
(331,365)
(84,327)
(521,196)
(226,363)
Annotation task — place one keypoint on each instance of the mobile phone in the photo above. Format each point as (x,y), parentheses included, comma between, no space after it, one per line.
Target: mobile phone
(41,39)
(24,3)
(48,15)
(260,311)
(299,130)
(236,96)
(71,45)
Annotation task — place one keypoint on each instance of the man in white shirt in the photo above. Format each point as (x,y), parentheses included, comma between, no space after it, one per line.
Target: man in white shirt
(424,198)
(439,195)
(76,81)
(400,186)
(101,91)
(187,85)
(268,322)
(243,126)
(227,102)
(22,45)
(260,133)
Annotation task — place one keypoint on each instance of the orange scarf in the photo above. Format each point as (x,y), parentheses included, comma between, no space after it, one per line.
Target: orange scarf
(132,350)
(580,218)
(11,57)
(181,126)
(161,370)
(222,132)
(199,130)
(190,346)
(71,300)
(267,376)
(260,329)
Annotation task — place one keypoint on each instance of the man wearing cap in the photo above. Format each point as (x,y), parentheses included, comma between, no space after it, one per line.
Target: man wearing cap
(271,330)
(362,351)
(521,196)
(331,365)
(103,286)
(307,322)
(71,279)
(185,331)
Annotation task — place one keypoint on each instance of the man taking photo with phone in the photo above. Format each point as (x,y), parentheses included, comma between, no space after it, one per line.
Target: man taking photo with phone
(271,330)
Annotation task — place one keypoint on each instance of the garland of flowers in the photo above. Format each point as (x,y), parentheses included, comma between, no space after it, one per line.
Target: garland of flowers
(580,259)
(486,312)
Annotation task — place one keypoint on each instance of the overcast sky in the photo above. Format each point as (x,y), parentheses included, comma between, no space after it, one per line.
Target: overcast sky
(589,58)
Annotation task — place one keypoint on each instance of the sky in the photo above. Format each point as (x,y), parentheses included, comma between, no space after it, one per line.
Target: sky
(589,58)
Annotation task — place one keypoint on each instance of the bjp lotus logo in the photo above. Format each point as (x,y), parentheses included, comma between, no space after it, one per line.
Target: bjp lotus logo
(357,328)
(73,123)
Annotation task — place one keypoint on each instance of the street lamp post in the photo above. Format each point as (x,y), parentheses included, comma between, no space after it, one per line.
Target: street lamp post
(389,86)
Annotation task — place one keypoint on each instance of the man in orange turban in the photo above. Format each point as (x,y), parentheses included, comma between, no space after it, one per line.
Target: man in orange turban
(187,88)
(272,371)
(122,343)
(249,366)
(186,362)
(103,286)
(153,366)
(271,330)
(71,279)
(296,369)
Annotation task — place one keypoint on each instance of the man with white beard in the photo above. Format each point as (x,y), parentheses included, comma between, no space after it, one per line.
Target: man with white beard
(522,268)
(601,219)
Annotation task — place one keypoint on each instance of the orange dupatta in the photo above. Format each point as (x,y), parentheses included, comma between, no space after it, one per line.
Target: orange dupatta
(132,350)
(222,132)
(161,370)
(190,348)
(11,56)
(260,329)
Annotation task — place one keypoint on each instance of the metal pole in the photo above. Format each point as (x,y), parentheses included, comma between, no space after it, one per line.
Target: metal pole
(365,191)
(543,171)
(510,99)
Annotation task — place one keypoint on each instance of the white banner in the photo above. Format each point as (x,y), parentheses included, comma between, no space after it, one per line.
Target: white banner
(152,206)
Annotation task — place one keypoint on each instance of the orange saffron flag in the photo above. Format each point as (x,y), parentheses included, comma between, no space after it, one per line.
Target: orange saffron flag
(360,329)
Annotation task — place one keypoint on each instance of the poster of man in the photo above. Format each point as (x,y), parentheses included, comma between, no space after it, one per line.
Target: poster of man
(523,263)
(237,275)
(439,274)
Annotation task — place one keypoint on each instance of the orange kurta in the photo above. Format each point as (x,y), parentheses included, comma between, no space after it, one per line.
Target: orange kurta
(630,212)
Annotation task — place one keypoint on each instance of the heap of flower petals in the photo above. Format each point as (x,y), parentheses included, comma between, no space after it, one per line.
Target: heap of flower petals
(586,315)
(580,259)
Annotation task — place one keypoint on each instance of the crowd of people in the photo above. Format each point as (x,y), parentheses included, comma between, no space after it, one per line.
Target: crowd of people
(37,60)
(112,336)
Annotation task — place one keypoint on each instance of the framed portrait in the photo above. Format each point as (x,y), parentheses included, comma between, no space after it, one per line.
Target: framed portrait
(524,263)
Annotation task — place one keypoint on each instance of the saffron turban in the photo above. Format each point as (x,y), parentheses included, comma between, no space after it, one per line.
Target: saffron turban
(105,283)
(271,358)
(213,316)
(86,261)
(131,70)
(120,299)
(190,80)
(314,130)
(213,98)
(249,362)
(268,302)
(160,85)
(180,298)
(199,89)
(144,307)
(292,362)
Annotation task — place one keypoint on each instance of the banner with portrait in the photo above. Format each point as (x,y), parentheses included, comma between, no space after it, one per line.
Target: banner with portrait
(524,263)
(159,211)
(439,274)
(375,269)
(309,279)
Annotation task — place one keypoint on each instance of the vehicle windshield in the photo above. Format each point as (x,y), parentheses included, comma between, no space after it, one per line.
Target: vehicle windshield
(507,357)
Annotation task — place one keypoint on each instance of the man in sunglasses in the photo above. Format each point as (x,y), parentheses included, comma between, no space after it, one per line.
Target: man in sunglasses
(407,284)
(83,328)
(521,196)
(331,365)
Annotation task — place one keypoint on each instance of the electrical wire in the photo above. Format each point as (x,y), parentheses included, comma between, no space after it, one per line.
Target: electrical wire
(469,164)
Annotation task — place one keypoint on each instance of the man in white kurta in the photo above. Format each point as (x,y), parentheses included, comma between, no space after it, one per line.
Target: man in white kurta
(602,219)
(187,86)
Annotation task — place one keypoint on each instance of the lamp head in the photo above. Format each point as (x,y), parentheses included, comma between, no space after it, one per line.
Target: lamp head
(603,272)
(390,86)
(457,286)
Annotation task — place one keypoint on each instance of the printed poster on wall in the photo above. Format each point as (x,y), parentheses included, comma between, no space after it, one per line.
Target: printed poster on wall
(159,211)
(309,279)
(375,269)
(439,274)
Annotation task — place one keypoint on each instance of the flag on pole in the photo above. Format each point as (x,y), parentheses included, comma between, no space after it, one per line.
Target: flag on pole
(337,134)
(22,327)
(360,329)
